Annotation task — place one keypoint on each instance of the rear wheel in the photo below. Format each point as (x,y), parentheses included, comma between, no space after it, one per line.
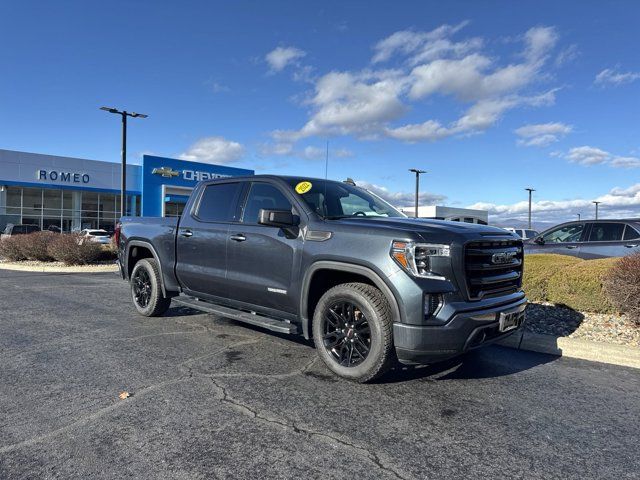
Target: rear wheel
(146,289)
(352,331)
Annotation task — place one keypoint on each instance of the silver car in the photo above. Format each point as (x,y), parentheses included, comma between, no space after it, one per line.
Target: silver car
(589,239)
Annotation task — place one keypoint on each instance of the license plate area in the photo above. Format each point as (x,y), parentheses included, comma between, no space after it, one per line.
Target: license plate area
(510,320)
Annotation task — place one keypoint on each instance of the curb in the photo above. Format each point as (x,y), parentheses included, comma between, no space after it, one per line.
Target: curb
(574,348)
(56,269)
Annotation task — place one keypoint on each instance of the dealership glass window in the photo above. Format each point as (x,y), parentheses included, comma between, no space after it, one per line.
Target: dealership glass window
(32,201)
(52,201)
(90,202)
(14,201)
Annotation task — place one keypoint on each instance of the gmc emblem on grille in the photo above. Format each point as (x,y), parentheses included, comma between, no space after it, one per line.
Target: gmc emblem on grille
(502,258)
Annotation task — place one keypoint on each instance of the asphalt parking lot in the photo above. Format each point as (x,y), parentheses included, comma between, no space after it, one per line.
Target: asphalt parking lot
(212,398)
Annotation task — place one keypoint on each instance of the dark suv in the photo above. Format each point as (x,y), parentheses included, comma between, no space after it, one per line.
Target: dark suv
(333,262)
(589,239)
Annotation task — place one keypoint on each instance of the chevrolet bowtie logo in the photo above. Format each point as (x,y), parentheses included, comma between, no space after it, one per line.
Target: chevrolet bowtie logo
(166,172)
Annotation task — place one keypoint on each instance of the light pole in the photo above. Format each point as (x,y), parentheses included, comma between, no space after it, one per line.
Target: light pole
(123,178)
(578,216)
(530,190)
(597,203)
(417,172)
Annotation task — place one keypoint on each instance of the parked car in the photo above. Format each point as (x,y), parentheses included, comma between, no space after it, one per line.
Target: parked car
(11,230)
(589,239)
(523,233)
(332,261)
(98,236)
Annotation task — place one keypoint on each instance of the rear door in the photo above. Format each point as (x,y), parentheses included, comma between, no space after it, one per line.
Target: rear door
(201,245)
(606,239)
(631,239)
(264,260)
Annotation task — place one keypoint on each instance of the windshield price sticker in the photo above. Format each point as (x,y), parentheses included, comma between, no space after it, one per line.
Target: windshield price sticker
(303,187)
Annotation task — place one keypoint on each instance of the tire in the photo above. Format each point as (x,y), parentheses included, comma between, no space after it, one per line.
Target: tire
(371,311)
(146,289)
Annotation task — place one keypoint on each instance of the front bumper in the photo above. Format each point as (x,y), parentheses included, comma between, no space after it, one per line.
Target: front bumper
(418,344)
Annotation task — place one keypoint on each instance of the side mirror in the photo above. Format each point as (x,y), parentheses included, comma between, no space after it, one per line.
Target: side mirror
(539,240)
(276,218)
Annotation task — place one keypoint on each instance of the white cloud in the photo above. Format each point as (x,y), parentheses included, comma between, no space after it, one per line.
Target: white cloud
(401,199)
(588,156)
(542,134)
(280,57)
(367,103)
(214,150)
(609,76)
(617,203)
(309,152)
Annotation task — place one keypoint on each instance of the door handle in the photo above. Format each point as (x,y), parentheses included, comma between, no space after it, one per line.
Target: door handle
(631,245)
(571,247)
(186,233)
(238,238)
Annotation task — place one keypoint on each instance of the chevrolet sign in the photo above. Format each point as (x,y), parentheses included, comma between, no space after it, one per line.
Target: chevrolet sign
(166,172)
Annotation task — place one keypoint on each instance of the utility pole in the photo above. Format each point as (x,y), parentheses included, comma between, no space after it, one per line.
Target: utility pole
(530,190)
(597,203)
(123,176)
(417,172)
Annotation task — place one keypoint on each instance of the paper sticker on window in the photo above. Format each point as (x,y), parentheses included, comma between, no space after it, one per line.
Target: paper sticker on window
(303,187)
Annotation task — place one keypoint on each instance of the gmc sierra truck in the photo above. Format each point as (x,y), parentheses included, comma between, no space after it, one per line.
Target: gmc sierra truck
(333,262)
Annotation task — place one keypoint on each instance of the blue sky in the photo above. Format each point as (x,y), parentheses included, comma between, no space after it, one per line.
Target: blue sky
(489,97)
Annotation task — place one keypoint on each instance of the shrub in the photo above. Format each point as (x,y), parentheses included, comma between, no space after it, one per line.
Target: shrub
(622,286)
(72,250)
(34,245)
(109,251)
(538,269)
(580,286)
(10,249)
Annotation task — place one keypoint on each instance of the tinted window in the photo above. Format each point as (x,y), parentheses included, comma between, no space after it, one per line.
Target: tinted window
(631,233)
(218,202)
(263,195)
(531,233)
(606,232)
(568,233)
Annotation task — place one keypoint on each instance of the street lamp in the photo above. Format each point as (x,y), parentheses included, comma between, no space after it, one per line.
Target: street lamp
(578,216)
(417,172)
(530,190)
(123,179)
(597,203)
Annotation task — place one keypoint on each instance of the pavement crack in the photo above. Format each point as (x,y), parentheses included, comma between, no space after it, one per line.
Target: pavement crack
(254,413)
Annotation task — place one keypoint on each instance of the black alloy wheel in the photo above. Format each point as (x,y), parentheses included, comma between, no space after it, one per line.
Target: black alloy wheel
(347,336)
(141,283)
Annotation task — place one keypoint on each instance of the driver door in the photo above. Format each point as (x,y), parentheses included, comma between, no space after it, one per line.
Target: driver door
(566,239)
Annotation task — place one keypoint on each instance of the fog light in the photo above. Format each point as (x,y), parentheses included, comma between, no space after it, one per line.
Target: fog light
(432,303)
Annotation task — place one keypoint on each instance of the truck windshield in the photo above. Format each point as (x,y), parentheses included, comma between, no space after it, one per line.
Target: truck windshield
(333,200)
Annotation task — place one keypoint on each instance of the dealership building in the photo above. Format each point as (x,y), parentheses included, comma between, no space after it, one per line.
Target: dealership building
(74,193)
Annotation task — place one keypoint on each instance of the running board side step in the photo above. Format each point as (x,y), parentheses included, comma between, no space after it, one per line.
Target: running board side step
(246,317)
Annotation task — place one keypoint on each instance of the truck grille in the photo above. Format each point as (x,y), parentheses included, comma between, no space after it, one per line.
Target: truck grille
(493,268)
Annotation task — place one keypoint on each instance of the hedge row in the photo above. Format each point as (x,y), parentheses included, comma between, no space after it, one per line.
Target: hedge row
(602,286)
(71,249)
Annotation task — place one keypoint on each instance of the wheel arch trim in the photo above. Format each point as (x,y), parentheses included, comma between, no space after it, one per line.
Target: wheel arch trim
(348,268)
(147,245)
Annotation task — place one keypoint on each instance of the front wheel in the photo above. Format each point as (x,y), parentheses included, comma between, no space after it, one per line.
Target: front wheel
(146,289)
(353,331)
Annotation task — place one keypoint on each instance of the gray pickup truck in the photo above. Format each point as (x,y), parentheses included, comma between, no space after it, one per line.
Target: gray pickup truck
(333,262)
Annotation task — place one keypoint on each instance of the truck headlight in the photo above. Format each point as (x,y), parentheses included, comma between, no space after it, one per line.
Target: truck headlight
(417,258)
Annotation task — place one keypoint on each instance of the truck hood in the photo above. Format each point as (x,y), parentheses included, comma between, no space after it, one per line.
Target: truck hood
(424,227)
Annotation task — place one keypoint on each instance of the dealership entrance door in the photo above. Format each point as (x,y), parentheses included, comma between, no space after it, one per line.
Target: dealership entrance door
(174,200)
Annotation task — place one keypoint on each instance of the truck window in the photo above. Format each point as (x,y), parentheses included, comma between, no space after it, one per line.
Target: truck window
(218,202)
(606,232)
(263,195)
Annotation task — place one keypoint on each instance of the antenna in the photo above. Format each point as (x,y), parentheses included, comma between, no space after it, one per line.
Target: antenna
(326,163)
